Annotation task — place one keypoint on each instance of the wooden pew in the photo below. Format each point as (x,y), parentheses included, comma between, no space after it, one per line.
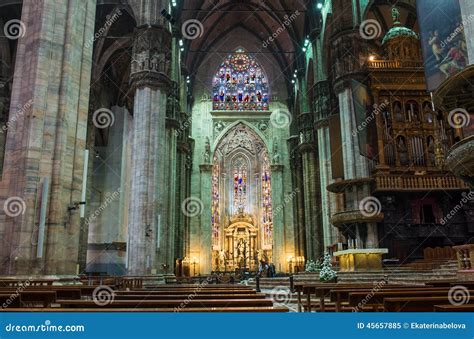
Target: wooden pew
(259,309)
(188,286)
(62,292)
(209,303)
(181,296)
(413,304)
(452,283)
(377,299)
(31,298)
(454,308)
(321,290)
(27,299)
(7,301)
(338,295)
(26,282)
(185,291)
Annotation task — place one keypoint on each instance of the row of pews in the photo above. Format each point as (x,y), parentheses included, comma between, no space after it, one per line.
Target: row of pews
(131,296)
(434,296)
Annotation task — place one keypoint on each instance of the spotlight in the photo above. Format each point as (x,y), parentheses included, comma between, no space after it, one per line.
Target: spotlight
(319,5)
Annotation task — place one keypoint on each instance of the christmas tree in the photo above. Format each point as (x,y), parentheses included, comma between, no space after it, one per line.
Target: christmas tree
(327,273)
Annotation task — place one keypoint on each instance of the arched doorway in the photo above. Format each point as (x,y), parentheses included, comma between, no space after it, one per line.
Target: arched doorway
(242,220)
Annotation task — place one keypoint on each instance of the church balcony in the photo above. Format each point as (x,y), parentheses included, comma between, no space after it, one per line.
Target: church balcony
(413,183)
(393,64)
(355,216)
(460,159)
(342,186)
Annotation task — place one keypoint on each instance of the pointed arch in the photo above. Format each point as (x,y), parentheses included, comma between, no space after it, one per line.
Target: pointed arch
(241,188)
(228,128)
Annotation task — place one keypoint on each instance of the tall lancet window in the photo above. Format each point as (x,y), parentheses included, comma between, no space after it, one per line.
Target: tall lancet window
(240,172)
(267,220)
(215,217)
(240,84)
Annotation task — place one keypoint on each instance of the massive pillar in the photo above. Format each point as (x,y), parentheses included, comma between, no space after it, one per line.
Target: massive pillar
(298,211)
(204,261)
(46,138)
(349,50)
(147,248)
(278,250)
(312,201)
(324,105)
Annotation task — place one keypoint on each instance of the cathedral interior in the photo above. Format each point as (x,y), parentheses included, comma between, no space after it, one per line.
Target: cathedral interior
(179,137)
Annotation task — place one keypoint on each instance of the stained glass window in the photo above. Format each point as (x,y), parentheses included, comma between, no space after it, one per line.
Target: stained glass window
(240,84)
(240,184)
(215,217)
(267,220)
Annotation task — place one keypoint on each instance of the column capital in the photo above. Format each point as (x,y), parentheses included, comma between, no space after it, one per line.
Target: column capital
(151,58)
(205,167)
(276,168)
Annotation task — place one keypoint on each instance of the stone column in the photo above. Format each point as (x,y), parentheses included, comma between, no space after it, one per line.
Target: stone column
(324,151)
(147,215)
(182,174)
(46,136)
(171,195)
(298,211)
(314,232)
(205,256)
(467,11)
(372,236)
(312,197)
(278,249)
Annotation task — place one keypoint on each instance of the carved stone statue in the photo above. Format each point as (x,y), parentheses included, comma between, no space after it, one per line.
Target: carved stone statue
(219,126)
(276,154)
(262,126)
(222,259)
(439,154)
(207,152)
(395,16)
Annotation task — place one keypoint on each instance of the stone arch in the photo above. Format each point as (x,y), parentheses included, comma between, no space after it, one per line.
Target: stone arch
(227,129)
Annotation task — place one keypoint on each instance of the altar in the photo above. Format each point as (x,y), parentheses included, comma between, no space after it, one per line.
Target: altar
(360,259)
